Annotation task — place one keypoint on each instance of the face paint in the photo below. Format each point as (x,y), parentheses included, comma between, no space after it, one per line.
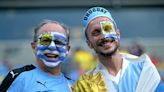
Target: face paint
(51,48)
(108,30)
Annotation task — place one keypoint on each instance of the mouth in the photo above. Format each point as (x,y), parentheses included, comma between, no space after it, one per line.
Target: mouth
(105,42)
(51,55)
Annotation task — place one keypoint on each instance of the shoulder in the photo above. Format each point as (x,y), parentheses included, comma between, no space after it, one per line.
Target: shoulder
(18,77)
(133,58)
(24,72)
(27,74)
(138,61)
(24,75)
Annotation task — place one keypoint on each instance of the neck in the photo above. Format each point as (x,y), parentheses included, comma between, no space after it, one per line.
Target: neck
(112,63)
(52,71)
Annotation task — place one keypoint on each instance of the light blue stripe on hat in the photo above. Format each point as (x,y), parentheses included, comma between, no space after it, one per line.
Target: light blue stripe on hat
(95,12)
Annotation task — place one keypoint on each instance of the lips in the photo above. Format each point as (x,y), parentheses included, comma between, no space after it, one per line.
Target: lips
(51,55)
(106,46)
(105,42)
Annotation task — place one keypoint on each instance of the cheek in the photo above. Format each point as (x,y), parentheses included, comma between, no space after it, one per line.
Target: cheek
(96,39)
(93,41)
(115,44)
(38,52)
(62,49)
(40,48)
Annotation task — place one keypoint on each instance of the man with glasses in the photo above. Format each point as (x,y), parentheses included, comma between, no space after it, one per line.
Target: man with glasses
(50,46)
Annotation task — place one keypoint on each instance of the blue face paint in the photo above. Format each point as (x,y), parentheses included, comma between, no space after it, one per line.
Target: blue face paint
(51,48)
(108,30)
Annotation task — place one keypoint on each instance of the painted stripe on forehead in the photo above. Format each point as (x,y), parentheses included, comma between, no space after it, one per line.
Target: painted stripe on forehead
(53,34)
(57,36)
(57,33)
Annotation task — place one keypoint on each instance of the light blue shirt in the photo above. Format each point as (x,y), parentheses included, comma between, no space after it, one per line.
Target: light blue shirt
(37,80)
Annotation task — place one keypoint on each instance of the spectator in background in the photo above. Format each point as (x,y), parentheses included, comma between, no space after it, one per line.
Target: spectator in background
(81,62)
(123,49)
(84,60)
(5,67)
(137,49)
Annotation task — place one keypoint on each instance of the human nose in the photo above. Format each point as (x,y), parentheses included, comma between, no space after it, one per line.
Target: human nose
(52,46)
(104,35)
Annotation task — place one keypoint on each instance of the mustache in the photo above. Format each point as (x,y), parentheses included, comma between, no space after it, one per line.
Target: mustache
(104,41)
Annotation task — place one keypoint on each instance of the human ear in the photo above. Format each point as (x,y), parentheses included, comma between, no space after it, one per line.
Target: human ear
(89,44)
(33,45)
(118,33)
(68,48)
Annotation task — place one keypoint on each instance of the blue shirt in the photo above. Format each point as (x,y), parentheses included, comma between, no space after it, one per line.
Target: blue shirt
(37,80)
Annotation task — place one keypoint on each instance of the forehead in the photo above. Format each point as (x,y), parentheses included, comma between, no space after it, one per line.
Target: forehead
(51,27)
(95,23)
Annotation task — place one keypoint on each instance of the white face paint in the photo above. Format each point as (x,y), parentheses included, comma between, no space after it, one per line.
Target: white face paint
(51,48)
(108,30)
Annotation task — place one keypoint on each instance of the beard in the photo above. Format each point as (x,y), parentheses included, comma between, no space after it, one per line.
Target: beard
(107,54)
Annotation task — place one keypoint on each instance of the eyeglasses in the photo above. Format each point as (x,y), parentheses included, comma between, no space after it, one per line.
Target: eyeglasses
(46,39)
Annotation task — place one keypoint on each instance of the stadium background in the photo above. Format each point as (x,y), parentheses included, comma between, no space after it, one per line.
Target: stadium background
(139,21)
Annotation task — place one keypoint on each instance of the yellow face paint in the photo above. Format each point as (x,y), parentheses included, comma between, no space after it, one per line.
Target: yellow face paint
(108,29)
(45,39)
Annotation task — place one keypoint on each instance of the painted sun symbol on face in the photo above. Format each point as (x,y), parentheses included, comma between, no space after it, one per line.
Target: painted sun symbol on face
(107,27)
(45,39)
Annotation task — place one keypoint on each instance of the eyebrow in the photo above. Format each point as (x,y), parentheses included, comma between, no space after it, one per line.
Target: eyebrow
(60,37)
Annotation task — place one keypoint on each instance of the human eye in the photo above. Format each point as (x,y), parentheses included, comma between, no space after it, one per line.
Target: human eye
(107,28)
(96,32)
(45,41)
(60,42)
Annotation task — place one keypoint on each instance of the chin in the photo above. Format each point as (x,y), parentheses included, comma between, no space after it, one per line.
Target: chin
(109,52)
(51,64)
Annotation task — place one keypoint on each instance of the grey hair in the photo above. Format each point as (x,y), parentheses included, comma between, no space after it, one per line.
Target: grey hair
(50,21)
